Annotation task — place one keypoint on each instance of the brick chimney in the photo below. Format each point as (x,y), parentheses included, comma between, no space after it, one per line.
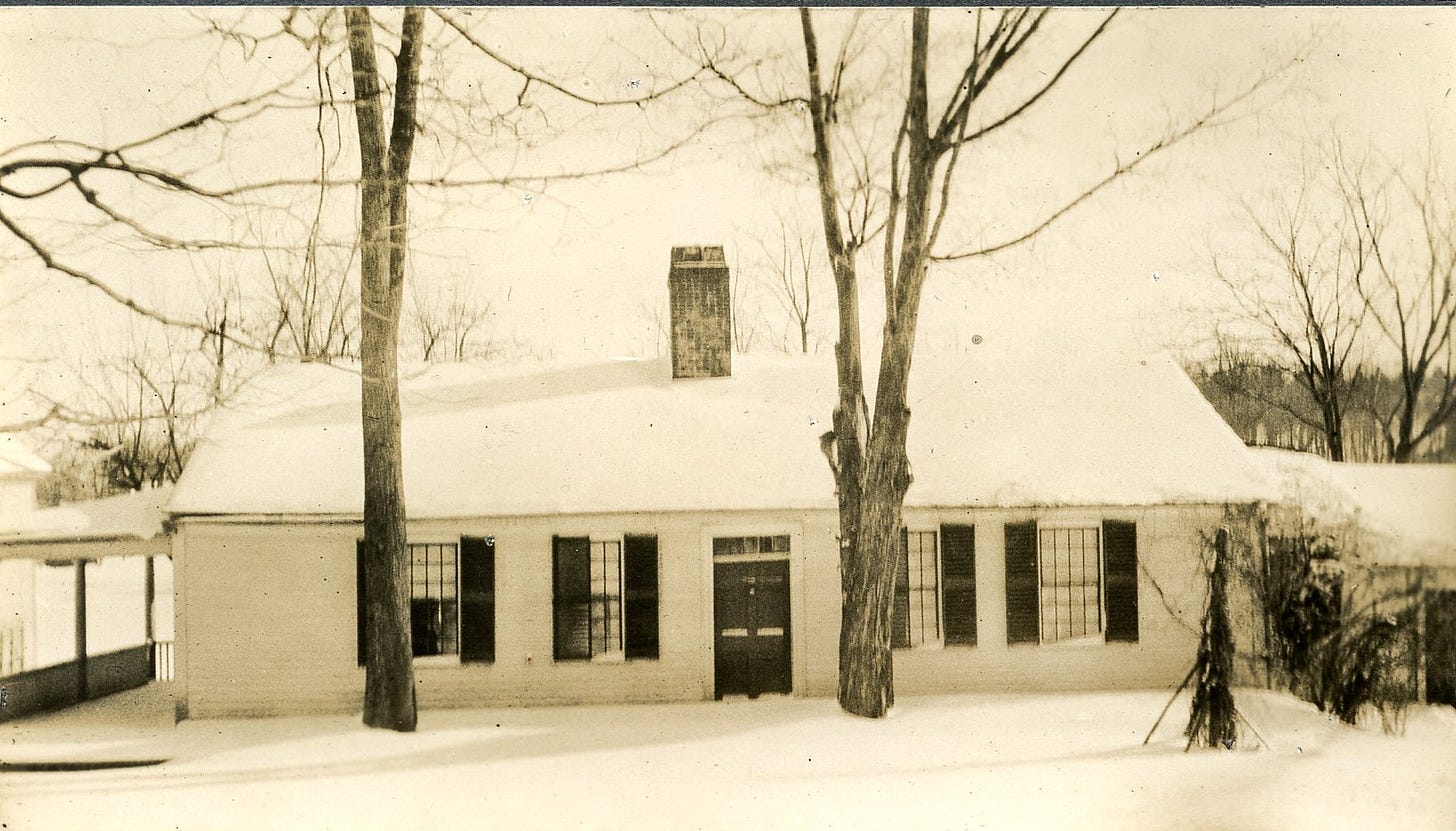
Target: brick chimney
(701,311)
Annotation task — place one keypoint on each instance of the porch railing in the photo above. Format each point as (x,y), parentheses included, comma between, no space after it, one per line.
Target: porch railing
(163,668)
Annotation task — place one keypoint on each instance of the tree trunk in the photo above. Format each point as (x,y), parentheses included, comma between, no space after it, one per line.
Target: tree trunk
(872,473)
(1334,429)
(389,689)
(1405,444)
(866,666)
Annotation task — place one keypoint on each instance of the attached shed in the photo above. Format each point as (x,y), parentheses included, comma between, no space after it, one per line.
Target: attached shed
(606,531)
(1397,526)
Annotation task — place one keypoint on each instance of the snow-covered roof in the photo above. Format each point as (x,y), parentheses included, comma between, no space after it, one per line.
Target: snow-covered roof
(1308,487)
(1413,507)
(137,515)
(1407,512)
(19,461)
(991,426)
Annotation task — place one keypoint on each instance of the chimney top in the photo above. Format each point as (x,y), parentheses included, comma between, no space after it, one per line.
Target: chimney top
(704,254)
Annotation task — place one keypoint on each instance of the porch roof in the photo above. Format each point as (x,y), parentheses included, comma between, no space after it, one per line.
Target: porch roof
(123,525)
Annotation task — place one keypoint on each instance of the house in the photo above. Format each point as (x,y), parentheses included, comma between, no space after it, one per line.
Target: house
(21,470)
(87,609)
(1394,529)
(640,530)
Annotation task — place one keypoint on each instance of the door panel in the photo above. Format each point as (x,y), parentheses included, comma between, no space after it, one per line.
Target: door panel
(751,633)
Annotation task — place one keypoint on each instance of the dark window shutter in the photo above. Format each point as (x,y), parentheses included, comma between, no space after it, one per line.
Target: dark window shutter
(477,599)
(1119,558)
(900,619)
(361,608)
(1023,600)
(958,562)
(571,598)
(640,584)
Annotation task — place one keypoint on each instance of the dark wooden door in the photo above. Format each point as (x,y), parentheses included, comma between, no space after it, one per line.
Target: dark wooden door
(751,628)
(1440,638)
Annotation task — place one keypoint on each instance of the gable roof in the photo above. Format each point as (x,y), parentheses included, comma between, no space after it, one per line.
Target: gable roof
(989,427)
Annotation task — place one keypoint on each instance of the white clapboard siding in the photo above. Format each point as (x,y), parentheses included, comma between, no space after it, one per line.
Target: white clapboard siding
(269,627)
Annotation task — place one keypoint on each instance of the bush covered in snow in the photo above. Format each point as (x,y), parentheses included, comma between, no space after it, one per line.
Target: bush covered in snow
(1338,642)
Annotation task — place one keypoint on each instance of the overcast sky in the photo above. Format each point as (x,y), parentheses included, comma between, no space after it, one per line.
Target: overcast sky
(579,267)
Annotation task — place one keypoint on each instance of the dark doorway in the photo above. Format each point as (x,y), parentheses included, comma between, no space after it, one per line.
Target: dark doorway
(751,628)
(1440,638)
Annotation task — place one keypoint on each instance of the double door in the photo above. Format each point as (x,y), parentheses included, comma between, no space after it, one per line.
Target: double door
(751,628)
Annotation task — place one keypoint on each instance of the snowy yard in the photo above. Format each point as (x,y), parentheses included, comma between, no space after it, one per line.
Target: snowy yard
(974,761)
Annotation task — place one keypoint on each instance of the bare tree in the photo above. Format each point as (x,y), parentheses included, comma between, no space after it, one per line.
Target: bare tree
(136,420)
(791,264)
(1303,297)
(447,324)
(898,187)
(1362,243)
(313,308)
(745,322)
(385,158)
(1408,224)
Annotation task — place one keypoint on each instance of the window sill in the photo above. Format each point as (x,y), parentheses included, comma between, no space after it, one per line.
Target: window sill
(436,660)
(1088,642)
(928,646)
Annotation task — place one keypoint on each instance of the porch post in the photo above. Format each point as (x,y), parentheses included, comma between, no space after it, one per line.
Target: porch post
(81,628)
(151,599)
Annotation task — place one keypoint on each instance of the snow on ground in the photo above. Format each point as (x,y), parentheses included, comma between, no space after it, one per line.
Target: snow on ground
(952,762)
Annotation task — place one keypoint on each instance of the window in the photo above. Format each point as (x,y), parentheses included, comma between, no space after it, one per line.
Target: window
(1066,583)
(434,600)
(737,546)
(916,618)
(1071,584)
(590,583)
(452,599)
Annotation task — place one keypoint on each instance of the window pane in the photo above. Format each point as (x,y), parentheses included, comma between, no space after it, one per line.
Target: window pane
(729,546)
(1071,589)
(917,607)
(606,608)
(434,613)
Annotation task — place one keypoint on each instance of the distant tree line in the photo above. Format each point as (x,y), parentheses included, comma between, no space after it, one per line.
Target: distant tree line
(1268,405)
(1352,289)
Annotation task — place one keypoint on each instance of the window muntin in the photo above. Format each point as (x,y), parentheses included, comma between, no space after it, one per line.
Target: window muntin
(916,619)
(1070,583)
(606,597)
(434,593)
